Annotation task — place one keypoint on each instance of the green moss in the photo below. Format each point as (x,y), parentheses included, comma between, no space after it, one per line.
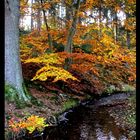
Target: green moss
(110,89)
(30,84)
(36,101)
(26,91)
(32,99)
(126,87)
(69,104)
(11,95)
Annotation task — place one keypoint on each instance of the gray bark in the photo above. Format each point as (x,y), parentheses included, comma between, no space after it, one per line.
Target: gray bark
(47,28)
(38,20)
(100,20)
(72,30)
(32,24)
(13,70)
(68,15)
(128,39)
(127,34)
(115,19)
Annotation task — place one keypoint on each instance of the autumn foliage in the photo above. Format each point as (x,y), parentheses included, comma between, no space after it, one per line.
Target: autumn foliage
(30,124)
(101,54)
(105,65)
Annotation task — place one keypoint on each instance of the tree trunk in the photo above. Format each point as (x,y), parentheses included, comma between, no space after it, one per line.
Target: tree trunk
(100,19)
(13,70)
(38,20)
(72,30)
(115,19)
(127,34)
(69,46)
(128,39)
(47,28)
(68,16)
(32,25)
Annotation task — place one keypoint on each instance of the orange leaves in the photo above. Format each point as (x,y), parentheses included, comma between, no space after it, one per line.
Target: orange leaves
(90,3)
(132,1)
(130,23)
(24,7)
(117,8)
(131,78)
(31,124)
(81,14)
(113,66)
(46,5)
(38,42)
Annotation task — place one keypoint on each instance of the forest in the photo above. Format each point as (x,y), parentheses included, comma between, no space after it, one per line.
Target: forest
(62,53)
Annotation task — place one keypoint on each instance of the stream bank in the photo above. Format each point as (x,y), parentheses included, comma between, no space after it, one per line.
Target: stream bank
(120,107)
(116,114)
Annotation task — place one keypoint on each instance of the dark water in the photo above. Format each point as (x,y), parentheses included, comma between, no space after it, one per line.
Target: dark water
(85,123)
(89,121)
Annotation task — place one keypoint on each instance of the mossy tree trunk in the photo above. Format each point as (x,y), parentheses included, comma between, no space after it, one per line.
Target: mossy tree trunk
(13,70)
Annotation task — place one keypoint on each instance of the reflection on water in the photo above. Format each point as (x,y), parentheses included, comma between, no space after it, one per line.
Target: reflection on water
(87,124)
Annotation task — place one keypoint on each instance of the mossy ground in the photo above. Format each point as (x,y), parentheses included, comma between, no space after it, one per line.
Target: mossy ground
(11,95)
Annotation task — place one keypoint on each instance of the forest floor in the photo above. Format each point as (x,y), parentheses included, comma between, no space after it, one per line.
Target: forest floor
(53,105)
(54,100)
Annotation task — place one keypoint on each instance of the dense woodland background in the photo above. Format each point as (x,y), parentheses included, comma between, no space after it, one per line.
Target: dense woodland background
(75,48)
(84,37)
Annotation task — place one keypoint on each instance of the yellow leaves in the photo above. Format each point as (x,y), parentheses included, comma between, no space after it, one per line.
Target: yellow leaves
(45,59)
(25,53)
(81,14)
(51,71)
(69,2)
(31,124)
(35,122)
(108,41)
(48,70)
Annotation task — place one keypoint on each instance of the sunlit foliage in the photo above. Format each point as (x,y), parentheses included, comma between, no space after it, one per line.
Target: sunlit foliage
(30,124)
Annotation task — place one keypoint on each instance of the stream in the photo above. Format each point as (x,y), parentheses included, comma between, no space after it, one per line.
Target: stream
(89,121)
